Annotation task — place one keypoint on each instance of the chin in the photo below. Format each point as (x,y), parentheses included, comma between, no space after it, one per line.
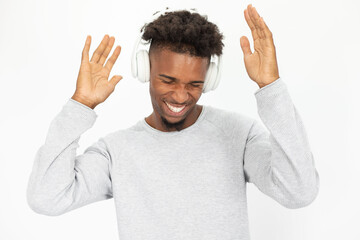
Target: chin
(177,124)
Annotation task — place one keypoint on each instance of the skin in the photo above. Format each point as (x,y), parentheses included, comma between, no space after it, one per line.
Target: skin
(93,86)
(177,79)
(261,65)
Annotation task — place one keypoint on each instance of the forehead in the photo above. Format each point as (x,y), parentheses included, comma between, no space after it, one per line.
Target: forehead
(167,61)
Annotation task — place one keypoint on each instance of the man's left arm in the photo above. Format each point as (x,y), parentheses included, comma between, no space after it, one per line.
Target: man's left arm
(279,161)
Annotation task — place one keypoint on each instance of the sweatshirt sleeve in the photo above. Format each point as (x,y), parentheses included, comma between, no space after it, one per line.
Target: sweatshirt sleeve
(279,161)
(60,181)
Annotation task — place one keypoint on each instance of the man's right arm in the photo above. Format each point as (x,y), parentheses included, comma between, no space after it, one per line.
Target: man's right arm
(61,181)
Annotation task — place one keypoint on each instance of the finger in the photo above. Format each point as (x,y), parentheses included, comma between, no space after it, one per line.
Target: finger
(251,25)
(245,46)
(115,80)
(258,22)
(100,49)
(254,16)
(265,29)
(107,51)
(85,52)
(111,61)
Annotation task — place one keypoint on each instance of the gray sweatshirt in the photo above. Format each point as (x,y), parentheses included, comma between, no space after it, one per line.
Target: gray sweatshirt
(188,184)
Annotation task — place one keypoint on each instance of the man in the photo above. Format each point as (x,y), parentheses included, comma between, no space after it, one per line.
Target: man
(181,172)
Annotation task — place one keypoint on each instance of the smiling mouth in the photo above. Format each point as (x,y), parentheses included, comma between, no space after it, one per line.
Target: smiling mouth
(175,110)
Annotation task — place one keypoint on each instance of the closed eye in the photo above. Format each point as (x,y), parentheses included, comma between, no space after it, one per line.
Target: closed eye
(167,82)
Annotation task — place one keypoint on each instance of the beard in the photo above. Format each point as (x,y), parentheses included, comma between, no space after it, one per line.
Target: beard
(178,125)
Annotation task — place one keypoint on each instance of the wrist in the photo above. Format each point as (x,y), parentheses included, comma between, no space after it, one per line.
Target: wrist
(261,85)
(84,101)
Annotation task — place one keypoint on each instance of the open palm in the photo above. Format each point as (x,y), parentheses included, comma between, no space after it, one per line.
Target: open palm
(261,65)
(92,85)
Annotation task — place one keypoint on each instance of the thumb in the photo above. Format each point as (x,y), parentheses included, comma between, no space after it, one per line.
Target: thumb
(245,46)
(115,79)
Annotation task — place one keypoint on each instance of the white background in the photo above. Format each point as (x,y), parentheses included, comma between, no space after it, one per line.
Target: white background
(318,49)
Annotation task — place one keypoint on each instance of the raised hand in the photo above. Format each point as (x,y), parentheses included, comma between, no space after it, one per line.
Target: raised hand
(261,65)
(92,86)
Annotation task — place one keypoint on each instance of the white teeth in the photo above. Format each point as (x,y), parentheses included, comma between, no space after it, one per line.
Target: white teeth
(174,109)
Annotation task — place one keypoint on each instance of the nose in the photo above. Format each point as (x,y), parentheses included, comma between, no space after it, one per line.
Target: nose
(181,94)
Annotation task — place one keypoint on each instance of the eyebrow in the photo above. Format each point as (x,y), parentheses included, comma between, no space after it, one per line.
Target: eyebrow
(174,79)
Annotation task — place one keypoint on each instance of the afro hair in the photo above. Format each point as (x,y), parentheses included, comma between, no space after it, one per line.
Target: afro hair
(184,32)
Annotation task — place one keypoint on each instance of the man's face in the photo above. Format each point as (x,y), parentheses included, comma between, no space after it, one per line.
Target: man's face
(176,82)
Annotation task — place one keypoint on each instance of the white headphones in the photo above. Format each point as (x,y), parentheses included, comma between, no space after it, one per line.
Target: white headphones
(140,63)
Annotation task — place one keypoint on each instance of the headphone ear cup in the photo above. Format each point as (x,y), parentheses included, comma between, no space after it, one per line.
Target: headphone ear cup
(217,79)
(143,66)
(210,79)
(219,70)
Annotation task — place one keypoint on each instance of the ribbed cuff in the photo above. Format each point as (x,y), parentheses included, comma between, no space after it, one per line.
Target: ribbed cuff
(274,103)
(270,92)
(278,83)
(79,113)
(72,121)
(73,103)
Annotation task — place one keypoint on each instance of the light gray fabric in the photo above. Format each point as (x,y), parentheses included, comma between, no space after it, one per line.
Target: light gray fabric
(181,185)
